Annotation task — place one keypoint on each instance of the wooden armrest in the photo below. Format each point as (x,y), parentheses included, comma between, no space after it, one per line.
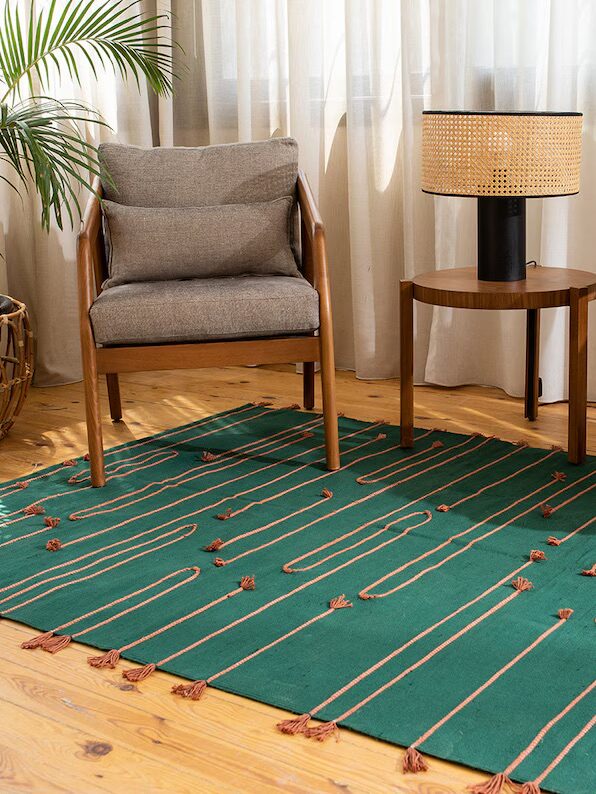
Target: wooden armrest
(90,250)
(91,221)
(312,222)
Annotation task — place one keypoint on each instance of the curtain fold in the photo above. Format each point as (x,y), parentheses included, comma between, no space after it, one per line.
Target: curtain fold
(349,79)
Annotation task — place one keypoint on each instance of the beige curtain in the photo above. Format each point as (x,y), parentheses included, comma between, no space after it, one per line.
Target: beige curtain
(349,79)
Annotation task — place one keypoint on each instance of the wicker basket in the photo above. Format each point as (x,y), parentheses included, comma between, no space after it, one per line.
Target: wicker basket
(16,363)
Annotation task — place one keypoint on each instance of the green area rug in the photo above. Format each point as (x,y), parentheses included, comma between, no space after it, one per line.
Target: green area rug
(441,598)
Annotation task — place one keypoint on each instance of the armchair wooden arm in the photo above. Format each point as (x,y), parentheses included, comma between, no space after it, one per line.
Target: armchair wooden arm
(90,263)
(314,266)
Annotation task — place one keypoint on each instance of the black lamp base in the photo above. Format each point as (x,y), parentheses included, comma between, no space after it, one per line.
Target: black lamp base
(501,238)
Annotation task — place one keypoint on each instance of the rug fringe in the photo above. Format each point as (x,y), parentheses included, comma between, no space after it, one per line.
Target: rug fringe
(109,659)
(56,643)
(193,691)
(413,761)
(139,673)
(294,725)
(36,642)
(494,785)
(530,788)
(323,731)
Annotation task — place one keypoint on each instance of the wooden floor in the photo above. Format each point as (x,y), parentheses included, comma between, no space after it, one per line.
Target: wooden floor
(67,728)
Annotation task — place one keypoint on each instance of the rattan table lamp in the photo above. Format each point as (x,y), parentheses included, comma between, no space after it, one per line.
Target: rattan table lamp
(502,159)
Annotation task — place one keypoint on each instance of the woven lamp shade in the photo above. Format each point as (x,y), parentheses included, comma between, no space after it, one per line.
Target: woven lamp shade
(501,154)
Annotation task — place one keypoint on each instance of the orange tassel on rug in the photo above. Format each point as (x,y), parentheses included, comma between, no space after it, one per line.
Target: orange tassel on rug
(69,462)
(53,545)
(339,602)
(495,785)
(590,571)
(139,673)
(443,509)
(33,510)
(208,457)
(521,584)
(552,541)
(413,761)
(225,515)
(530,788)
(247,583)
(565,614)
(214,545)
(56,643)
(536,554)
(192,691)
(295,725)
(559,476)
(326,493)
(36,642)
(218,562)
(323,731)
(51,522)
(109,659)
(547,510)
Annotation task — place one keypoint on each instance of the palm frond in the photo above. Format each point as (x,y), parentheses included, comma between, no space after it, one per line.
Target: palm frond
(41,139)
(104,32)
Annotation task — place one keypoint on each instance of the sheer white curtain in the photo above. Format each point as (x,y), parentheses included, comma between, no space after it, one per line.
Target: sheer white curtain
(349,79)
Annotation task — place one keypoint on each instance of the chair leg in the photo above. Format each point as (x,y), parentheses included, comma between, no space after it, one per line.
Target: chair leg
(328,384)
(114,396)
(93,416)
(309,384)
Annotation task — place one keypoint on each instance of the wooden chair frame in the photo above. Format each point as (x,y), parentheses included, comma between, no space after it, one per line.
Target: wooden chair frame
(110,361)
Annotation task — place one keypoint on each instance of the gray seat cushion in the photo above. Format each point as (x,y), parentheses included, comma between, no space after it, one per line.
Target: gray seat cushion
(205,309)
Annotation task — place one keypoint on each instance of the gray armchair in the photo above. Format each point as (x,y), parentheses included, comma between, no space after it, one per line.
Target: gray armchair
(202,257)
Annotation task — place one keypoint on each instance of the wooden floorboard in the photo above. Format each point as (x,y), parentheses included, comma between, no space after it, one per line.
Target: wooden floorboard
(65,727)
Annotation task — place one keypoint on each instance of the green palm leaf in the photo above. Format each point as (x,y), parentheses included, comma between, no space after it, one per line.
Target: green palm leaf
(40,137)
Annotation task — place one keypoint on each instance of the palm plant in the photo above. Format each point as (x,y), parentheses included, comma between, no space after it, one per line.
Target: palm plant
(41,138)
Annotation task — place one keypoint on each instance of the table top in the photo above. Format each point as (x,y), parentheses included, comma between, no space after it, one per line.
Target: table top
(544,287)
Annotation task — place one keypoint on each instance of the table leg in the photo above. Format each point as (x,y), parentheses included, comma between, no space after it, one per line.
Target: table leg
(578,376)
(532,364)
(406,382)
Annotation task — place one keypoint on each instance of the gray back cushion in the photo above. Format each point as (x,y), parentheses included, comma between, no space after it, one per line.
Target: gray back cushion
(208,176)
(159,243)
(238,173)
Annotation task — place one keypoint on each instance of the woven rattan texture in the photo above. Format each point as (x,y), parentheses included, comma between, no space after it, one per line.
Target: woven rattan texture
(16,363)
(501,155)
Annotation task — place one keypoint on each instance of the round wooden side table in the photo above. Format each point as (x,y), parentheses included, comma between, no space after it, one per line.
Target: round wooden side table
(544,288)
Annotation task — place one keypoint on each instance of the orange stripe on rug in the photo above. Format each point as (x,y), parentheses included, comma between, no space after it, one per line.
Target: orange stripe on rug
(323,731)
(413,761)
(219,561)
(289,567)
(469,545)
(97,573)
(53,642)
(196,689)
